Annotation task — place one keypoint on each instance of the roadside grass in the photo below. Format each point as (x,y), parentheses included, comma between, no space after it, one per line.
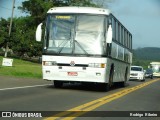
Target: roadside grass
(21,68)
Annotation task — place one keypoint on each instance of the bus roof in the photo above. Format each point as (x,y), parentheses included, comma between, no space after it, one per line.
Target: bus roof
(89,10)
(155,63)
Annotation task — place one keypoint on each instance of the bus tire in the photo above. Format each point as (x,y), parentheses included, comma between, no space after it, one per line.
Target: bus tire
(123,84)
(58,84)
(111,74)
(107,86)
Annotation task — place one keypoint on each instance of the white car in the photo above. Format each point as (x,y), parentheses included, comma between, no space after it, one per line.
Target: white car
(137,73)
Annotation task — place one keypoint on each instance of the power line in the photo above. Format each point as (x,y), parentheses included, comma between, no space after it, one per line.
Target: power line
(10,9)
(16,5)
(5,8)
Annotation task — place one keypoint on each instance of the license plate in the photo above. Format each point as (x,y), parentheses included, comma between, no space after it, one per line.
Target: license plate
(72,74)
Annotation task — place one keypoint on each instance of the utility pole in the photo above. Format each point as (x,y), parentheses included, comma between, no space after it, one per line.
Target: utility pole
(10,28)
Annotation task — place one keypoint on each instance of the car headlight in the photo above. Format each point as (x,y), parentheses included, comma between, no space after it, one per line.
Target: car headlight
(49,63)
(97,65)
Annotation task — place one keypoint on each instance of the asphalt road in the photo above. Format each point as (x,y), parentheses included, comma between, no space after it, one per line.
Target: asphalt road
(17,94)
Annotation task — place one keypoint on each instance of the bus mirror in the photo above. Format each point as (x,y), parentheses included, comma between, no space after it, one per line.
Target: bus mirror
(109,35)
(39,32)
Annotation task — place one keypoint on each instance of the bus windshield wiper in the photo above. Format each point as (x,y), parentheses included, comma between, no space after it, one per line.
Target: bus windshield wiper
(64,42)
(81,46)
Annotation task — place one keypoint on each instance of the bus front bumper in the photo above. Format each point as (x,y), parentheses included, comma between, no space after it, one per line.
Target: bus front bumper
(75,74)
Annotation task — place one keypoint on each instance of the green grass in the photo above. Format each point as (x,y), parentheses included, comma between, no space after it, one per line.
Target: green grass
(21,68)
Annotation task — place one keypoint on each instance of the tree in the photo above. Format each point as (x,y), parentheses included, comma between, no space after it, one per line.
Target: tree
(4,28)
(4,31)
(22,40)
(38,8)
(26,27)
(87,3)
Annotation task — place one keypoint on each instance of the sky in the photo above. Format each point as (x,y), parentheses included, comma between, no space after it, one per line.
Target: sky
(6,8)
(140,17)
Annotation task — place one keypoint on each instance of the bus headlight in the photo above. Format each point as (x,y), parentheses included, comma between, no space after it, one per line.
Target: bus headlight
(49,63)
(97,65)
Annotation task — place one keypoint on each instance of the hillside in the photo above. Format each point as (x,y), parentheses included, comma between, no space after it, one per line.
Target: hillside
(147,53)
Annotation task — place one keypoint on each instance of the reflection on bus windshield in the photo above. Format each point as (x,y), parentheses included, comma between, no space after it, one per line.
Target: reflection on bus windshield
(75,34)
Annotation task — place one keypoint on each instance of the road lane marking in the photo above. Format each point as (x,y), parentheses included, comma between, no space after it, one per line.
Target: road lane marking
(23,87)
(87,107)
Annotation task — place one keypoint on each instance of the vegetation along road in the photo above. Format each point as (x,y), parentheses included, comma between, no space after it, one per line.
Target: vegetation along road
(35,95)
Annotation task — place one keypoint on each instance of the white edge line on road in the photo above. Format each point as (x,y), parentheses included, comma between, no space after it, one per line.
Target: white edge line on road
(23,87)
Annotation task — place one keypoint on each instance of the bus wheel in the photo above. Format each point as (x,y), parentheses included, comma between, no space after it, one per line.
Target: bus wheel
(110,82)
(58,84)
(123,84)
(107,86)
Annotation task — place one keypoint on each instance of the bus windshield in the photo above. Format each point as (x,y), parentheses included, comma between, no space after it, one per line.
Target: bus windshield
(74,34)
(156,68)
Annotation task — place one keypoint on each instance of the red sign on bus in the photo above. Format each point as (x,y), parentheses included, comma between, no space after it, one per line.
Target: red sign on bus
(72,74)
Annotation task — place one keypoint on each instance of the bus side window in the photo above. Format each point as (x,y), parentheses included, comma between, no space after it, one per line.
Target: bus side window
(113,28)
(108,46)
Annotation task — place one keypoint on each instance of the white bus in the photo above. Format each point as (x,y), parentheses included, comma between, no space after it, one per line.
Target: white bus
(156,68)
(85,44)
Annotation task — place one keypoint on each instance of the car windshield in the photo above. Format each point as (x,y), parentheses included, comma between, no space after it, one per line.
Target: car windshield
(136,69)
(75,34)
(149,71)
